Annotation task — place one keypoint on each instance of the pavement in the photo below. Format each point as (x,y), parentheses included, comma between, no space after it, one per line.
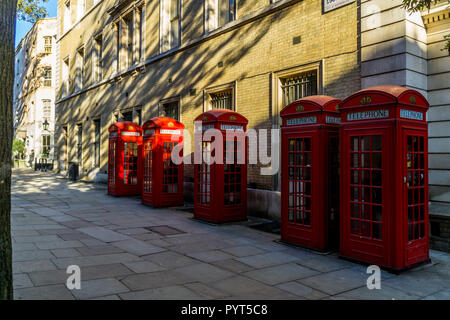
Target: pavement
(126,250)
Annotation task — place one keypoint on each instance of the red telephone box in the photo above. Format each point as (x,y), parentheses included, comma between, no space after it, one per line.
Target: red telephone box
(310,172)
(384,184)
(163,180)
(220,189)
(124,159)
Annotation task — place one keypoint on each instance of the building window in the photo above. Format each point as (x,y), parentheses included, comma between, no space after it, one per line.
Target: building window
(128,37)
(98,58)
(219,13)
(170,24)
(220,97)
(45,145)
(97,143)
(65,146)
(47,75)
(171,110)
(298,86)
(46,109)
(79,72)
(222,100)
(141,46)
(67,16)
(127,116)
(81,8)
(117,44)
(139,116)
(48,44)
(79,144)
(65,76)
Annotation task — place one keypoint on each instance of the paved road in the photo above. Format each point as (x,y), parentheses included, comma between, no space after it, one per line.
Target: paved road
(130,251)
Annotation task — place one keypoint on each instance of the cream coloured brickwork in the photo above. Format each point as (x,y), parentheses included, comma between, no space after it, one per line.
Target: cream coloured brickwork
(250,51)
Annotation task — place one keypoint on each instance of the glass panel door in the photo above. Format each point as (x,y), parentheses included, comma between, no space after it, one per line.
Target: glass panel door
(112,163)
(415,185)
(299,180)
(130,159)
(232,173)
(148,163)
(366,171)
(204,176)
(170,170)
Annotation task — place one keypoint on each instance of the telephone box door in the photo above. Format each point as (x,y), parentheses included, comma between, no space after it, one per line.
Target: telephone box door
(415,195)
(301,215)
(149,145)
(365,198)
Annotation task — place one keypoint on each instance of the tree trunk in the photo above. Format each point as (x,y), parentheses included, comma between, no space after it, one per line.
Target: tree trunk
(7,35)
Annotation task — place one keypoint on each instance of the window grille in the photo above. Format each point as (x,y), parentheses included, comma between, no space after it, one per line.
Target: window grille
(222,100)
(298,86)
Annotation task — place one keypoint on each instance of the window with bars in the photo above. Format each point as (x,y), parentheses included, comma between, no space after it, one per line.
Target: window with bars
(415,184)
(366,170)
(298,86)
(47,75)
(48,44)
(222,100)
(97,143)
(171,110)
(46,109)
(299,177)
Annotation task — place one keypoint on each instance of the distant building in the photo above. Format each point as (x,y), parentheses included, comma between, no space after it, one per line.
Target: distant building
(136,59)
(34,89)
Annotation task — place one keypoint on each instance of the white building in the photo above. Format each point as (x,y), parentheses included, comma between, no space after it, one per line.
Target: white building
(34,89)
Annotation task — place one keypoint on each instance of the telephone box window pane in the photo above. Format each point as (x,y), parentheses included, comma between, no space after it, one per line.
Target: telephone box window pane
(376,231)
(376,160)
(354,144)
(376,213)
(355,210)
(376,143)
(376,178)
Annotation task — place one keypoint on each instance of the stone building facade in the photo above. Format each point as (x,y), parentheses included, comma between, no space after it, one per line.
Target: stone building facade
(136,59)
(34,89)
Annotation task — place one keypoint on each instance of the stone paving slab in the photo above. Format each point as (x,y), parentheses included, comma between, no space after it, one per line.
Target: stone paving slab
(54,292)
(120,258)
(281,273)
(103,234)
(137,247)
(99,288)
(164,293)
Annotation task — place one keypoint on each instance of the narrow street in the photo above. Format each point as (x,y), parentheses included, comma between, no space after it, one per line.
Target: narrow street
(130,251)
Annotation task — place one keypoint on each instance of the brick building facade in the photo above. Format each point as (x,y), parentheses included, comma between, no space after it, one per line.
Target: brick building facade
(136,59)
